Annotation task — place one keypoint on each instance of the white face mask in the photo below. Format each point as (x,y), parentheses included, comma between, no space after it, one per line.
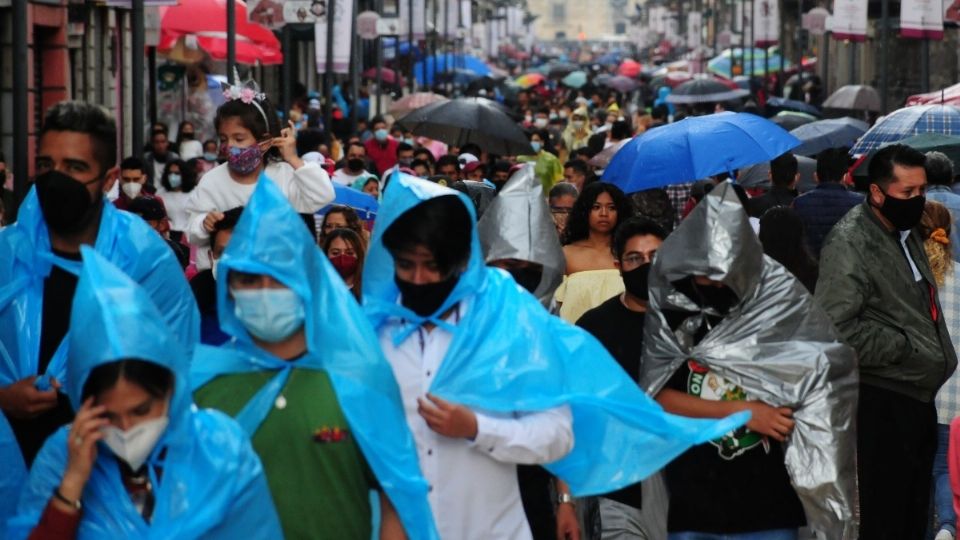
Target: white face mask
(577,124)
(131,189)
(540,123)
(134,445)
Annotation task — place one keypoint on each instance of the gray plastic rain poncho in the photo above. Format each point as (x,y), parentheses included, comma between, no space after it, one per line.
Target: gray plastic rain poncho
(776,343)
(518,225)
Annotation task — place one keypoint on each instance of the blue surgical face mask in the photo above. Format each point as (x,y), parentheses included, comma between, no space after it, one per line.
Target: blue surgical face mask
(174,180)
(270,315)
(380,135)
(537,146)
(209,156)
(409,141)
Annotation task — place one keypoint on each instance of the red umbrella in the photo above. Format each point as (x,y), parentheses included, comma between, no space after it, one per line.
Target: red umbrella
(629,68)
(388,76)
(204,23)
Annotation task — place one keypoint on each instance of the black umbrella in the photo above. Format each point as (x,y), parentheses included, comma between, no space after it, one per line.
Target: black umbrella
(704,90)
(470,120)
(560,70)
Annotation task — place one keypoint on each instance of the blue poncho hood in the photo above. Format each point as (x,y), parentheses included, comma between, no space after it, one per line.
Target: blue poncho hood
(532,361)
(212,483)
(270,238)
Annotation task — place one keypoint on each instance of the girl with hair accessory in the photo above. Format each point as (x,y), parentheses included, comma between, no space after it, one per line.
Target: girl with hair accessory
(935,226)
(255,148)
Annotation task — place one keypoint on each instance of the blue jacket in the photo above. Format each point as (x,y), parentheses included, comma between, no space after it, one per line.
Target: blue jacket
(821,209)
(212,485)
(945,196)
(509,354)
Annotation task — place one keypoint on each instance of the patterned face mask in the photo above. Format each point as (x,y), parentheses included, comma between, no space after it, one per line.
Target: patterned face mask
(244,161)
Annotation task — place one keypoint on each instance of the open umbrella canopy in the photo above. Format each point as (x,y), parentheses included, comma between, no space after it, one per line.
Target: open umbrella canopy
(924,142)
(722,64)
(672,79)
(575,80)
(823,134)
(459,77)
(414,101)
(758,176)
(558,70)
(469,120)
(944,96)
(602,159)
(704,90)
(426,69)
(902,123)
(629,68)
(694,148)
(621,83)
(529,79)
(854,97)
(203,24)
(790,120)
(387,75)
(777,104)
(365,205)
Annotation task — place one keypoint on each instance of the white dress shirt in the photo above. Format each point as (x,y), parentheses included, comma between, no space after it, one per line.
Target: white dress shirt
(473,484)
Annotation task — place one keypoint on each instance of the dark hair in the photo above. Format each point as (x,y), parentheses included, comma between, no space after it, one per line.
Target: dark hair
(939,169)
(660,112)
(180,131)
(583,153)
(471,148)
(425,152)
(228,223)
(620,130)
(578,165)
(250,118)
(377,120)
(783,169)
(92,120)
(544,135)
(832,164)
(420,163)
(783,239)
(155,379)
(880,169)
(595,143)
(359,246)
(447,159)
(635,226)
(211,141)
(501,166)
(578,224)
(349,214)
(442,225)
(132,163)
(403,147)
(188,175)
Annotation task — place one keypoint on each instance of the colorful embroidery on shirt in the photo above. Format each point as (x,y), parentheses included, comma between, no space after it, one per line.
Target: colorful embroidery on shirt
(329,435)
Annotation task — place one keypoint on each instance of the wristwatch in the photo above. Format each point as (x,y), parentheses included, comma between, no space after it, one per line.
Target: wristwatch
(564,498)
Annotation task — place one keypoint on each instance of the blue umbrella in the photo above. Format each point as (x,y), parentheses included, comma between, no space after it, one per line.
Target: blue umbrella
(694,148)
(722,64)
(425,69)
(365,205)
(833,133)
(902,123)
(777,104)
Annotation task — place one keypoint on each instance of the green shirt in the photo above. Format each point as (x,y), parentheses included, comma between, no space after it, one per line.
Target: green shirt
(318,477)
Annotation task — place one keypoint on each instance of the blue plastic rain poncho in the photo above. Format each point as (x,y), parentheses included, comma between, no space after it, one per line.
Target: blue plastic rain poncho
(270,239)
(533,361)
(662,94)
(25,261)
(212,484)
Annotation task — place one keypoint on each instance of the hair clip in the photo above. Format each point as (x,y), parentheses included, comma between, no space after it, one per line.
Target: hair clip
(248,93)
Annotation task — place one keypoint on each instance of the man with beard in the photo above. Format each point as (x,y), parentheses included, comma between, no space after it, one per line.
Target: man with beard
(40,261)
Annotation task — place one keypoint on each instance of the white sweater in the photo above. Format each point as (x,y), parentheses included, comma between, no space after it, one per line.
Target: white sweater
(308,189)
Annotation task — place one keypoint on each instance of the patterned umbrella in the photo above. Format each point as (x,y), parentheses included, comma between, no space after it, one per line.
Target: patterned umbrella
(529,79)
(908,121)
(413,102)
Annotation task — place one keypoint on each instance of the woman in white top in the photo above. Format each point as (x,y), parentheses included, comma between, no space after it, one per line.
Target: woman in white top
(187,145)
(256,148)
(177,181)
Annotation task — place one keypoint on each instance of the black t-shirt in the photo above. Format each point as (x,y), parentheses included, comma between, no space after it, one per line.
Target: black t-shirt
(620,331)
(736,484)
(58,290)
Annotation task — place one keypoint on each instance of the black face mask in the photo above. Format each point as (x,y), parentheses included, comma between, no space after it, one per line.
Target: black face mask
(425,299)
(65,202)
(721,299)
(355,164)
(186,136)
(528,277)
(904,214)
(635,281)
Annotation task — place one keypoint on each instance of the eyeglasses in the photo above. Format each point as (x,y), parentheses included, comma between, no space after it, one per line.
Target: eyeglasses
(562,210)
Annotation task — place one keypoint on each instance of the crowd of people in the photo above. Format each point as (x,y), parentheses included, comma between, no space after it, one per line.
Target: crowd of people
(206,340)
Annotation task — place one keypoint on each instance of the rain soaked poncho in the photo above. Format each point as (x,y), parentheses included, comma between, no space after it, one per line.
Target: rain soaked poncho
(270,239)
(518,225)
(509,354)
(777,344)
(549,170)
(211,485)
(26,260)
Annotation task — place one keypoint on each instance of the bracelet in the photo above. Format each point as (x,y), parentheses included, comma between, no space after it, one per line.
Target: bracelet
(74,504)
(565,498)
